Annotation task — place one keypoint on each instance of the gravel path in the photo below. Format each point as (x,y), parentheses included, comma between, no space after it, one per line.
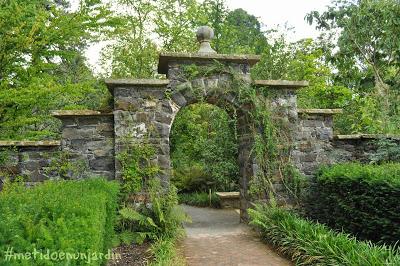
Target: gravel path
(215,237)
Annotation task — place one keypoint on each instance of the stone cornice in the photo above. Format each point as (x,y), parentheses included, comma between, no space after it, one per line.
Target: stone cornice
(29,143)
(112,83)
(365,136)
(74,113)
(320,111)
(164,58)
(284,84)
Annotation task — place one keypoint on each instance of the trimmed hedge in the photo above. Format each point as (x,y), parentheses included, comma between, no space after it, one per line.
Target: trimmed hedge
(200,199)
(58,216)
(360,199)
(309,243)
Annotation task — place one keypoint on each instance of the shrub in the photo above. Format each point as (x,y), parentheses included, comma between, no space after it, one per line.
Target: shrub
(388,150)
(200,199)
(310,243)
(360,199)
(63,216)
(160,217)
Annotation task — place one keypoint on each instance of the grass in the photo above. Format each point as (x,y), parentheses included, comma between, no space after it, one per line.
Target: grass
(309,243)
(166,253)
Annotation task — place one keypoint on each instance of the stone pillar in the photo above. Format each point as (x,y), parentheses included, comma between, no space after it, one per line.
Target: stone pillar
(281,99)
(143,114)
(313,142)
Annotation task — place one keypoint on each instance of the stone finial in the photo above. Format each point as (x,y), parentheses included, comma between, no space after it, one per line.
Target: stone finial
(204,35)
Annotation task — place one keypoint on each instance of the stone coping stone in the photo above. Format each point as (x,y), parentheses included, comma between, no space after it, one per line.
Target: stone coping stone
(112,83)
(29,143)
(320,111)
(365,136)
(164,58)
(74,113)
(284,84)
(228,195)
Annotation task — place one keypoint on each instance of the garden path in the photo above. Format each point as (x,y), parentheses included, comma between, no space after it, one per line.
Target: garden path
(216,237)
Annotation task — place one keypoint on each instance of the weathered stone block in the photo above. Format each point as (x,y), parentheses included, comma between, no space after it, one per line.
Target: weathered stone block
(102,163)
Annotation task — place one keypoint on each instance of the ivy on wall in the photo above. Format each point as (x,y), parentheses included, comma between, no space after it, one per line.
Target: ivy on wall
(271,132)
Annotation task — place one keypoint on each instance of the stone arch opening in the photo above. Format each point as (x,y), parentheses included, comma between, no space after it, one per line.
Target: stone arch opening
(204,149)
(217,90)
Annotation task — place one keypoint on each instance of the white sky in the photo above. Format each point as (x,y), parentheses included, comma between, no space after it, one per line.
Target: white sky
(279,12)
(270,12)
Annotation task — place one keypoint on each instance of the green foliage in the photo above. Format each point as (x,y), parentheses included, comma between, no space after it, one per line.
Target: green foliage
(148,211)
(294,182)
(165,252)
(64,166)
(204,149)
(136,167)
(360,199)
(41,63)
(362,45)
(309,243)
(149,220)
(37,34)
(388,150)
(62,216)
(200,199)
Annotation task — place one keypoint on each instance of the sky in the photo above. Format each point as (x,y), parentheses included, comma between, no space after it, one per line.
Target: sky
(270,12)
(279,12)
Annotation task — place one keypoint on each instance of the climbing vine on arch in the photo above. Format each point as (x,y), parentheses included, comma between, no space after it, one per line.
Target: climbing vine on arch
(271,132)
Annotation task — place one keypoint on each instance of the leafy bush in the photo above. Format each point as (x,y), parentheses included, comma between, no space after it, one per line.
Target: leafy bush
(310,243)
(160,217)
(388,150)
(62,216)
(360,199)
(200,199)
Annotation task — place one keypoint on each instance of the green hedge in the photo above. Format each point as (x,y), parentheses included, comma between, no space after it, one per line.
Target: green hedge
(58,216)
(360,199)
(309,243)
(200,199)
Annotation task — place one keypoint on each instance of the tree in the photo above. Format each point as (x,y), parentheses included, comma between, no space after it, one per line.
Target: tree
(242,34)
(369,35)
(41,63)
(37,34)
(368,55)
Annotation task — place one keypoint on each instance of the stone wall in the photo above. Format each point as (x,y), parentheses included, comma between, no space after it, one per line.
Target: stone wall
(88,141)
(29,159)
(313,139)
(358,147)
(144,111)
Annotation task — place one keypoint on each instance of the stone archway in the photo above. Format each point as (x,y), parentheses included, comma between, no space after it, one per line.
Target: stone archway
(145,109)
(214,90)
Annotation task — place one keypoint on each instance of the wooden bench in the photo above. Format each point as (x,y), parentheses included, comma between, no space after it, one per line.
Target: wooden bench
(229,200)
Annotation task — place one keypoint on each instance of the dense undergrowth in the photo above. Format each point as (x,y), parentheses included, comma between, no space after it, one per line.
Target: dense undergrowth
(309,243)
(148,210)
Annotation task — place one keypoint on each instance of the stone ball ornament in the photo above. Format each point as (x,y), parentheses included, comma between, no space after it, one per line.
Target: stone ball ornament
(204,36)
